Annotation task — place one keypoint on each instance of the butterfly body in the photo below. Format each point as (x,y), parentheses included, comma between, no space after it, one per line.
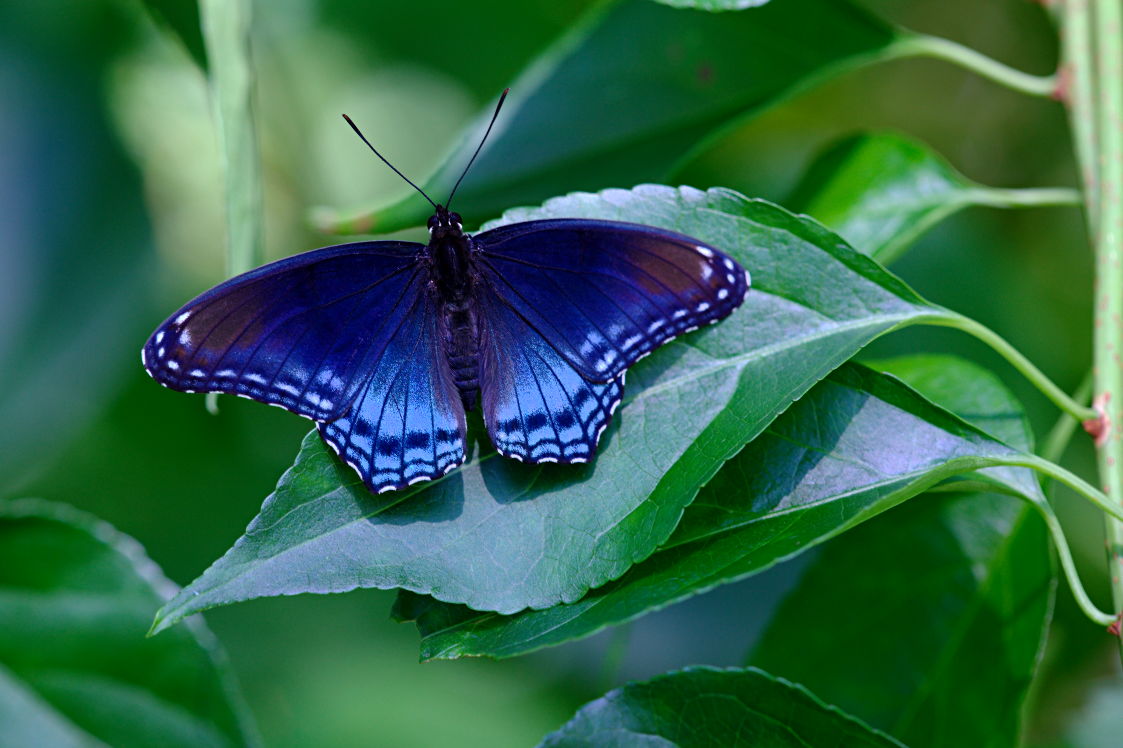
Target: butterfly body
(453,280)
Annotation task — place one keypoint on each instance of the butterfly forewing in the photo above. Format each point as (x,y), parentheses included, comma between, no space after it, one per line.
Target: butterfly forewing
(407,423)
(301,333)
(604,294)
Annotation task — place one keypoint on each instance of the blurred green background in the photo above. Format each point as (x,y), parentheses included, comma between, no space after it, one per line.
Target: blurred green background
(111,216)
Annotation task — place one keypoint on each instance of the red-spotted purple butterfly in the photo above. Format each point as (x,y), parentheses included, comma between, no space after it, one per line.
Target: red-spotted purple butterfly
(386,344)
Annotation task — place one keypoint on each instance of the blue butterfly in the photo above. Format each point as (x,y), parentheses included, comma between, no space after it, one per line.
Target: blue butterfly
(386,344)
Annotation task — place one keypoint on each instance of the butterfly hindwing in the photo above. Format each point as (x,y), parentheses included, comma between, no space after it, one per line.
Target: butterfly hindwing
(604,294)
(407,423)
(536,406)
(300,333)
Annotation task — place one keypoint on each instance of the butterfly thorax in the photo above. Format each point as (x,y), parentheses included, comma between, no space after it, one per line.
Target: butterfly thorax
(450,254)
(449,250)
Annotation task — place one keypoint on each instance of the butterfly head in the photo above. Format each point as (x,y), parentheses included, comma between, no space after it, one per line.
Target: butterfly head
(445,223)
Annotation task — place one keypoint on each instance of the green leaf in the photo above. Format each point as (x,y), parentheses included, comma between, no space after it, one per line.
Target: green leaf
(970,391)
(181,20)
(702,706)
(499,535)
(883,191)
(75,666)
(226,30)
(629,93)
(959,588)
(836,458)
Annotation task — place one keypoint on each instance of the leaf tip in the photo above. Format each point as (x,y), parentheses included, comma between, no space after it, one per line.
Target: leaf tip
(162,621)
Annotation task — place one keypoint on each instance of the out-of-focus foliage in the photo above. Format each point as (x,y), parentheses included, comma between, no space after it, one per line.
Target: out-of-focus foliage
(75,666)
(183,22)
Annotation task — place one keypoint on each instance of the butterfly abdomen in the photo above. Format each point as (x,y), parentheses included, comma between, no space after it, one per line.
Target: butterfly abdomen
(462,347)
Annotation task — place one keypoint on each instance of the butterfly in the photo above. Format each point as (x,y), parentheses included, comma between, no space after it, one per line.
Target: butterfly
(387,344)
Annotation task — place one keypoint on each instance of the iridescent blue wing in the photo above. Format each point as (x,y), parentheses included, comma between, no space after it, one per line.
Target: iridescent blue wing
(603,293)
(536,406)
(302,333)
(407,423)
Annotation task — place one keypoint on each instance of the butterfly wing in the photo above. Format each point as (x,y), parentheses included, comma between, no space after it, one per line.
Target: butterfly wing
(604,293)
(302,333)
(536,406)
(407,423)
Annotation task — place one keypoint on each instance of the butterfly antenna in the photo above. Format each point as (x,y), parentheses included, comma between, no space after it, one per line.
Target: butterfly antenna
(376,153)
(483,140)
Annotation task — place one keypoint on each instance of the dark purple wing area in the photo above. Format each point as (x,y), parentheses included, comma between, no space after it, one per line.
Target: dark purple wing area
(407,423)
(303,333)
(536,406)
(604,294)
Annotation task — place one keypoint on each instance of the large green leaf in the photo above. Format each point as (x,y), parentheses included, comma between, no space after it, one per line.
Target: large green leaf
(75,666)
(857,444)
(702,706)
(499,535)
(629,92)
(959,589)
(882,191)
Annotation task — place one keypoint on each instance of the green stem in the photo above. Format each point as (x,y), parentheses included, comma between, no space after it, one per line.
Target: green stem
(1069,567)
(1057,532)
(921,45)
(1108,333)
(1018,361)
(226,32)
(1078,94)
(1061,433)
(1031,197)
(1070,479)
